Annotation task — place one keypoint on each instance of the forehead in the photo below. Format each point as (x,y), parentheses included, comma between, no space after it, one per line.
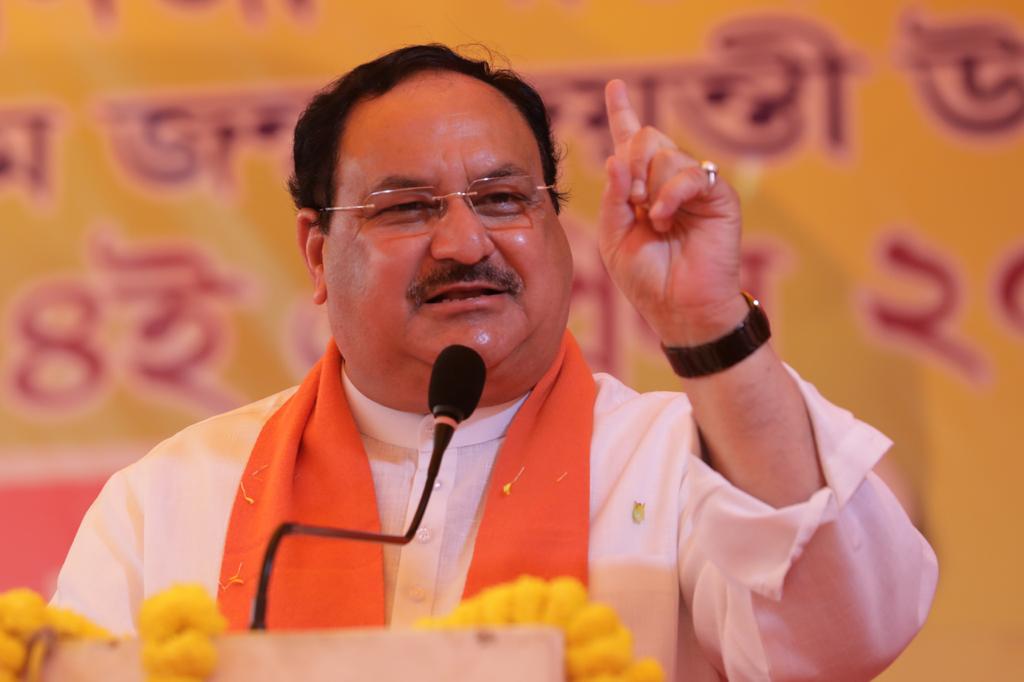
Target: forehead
(436,128)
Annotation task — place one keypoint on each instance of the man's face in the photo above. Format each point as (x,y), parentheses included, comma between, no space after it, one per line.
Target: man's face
(392,300)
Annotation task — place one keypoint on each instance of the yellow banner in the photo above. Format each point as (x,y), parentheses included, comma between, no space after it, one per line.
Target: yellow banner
(150,275)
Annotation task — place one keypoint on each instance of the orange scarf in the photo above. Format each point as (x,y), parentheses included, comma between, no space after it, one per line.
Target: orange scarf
(308,465)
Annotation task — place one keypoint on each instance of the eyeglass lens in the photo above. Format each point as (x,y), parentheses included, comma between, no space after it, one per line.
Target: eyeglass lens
(500,203)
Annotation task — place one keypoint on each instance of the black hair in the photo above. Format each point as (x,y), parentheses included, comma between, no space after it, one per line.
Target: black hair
(319,128)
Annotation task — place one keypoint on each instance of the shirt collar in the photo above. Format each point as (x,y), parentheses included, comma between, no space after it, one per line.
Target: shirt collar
(412,430)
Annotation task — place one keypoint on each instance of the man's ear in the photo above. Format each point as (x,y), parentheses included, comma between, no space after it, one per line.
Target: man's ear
(311,243)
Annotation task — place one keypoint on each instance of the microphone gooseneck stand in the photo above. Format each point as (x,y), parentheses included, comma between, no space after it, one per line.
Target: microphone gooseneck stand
(456,383)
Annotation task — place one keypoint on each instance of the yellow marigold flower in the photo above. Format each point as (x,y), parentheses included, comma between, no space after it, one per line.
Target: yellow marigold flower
(598,647)
(467,614)
(610,653)
(578,663)
(7,676)
(70,625)
(593,620)
(644,670)
(180,608)
(34,664)
(566,596)
(496,605)
(190,654)
(12,653)
(22,612)
(529,599)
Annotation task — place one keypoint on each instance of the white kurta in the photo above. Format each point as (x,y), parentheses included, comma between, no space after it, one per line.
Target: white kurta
(710,579)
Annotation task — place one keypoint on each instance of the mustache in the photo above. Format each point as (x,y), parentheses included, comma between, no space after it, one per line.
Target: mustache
(505,279)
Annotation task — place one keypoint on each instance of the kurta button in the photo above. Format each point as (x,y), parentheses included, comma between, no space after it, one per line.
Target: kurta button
(417,594)
(427,434)
(424,535)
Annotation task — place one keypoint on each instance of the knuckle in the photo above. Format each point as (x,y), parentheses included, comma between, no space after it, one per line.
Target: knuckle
(667,162)
(638,163)
(666,156)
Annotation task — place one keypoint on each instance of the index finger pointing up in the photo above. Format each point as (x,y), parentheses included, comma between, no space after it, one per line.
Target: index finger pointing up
(622,120)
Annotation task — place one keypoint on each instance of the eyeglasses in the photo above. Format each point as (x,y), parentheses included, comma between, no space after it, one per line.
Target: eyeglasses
(500,203)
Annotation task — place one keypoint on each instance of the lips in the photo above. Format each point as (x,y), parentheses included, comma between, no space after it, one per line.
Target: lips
(463,291)
(458,286)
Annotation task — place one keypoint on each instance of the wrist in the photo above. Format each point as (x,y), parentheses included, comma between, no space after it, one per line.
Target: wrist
(703,324)
(725,351)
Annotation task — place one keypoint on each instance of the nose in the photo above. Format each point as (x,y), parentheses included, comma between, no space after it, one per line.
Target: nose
(459,235)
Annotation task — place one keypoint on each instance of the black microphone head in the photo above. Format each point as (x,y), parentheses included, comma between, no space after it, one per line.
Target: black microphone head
(456,382)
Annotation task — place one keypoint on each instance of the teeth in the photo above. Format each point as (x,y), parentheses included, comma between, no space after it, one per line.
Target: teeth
(459,295)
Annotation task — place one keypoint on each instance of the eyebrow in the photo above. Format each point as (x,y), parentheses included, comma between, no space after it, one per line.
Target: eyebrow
(406,181)
(503,171)
(399,182)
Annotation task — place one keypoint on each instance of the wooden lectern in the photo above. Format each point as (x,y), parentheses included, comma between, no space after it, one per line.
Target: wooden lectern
(509,654)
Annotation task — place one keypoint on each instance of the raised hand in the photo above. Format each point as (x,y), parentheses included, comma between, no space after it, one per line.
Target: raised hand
(668,235)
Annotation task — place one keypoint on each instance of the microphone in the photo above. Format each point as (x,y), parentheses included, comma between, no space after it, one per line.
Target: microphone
(456,384)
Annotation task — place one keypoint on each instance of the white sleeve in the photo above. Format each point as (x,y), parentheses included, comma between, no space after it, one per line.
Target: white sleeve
(102,575)
(832,588)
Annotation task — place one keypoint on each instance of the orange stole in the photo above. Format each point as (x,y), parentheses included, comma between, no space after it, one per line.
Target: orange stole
(308,465)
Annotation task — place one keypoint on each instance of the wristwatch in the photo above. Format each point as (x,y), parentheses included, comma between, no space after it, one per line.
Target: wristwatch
(722,353)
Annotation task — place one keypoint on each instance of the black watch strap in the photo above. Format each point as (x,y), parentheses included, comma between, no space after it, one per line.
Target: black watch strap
(723,353)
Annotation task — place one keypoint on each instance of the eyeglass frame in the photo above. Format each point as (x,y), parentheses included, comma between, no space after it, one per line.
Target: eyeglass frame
(441,199)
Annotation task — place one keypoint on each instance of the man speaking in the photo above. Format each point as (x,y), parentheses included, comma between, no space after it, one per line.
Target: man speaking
(738,530)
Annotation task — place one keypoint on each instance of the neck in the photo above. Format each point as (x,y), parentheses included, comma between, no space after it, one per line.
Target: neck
(413,429)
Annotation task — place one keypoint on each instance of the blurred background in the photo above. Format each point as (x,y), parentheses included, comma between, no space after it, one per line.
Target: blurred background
(149,275)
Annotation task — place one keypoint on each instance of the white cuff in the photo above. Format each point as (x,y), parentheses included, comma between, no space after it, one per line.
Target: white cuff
(751,542)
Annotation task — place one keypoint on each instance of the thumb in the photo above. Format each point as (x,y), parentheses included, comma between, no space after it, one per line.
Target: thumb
(617,213)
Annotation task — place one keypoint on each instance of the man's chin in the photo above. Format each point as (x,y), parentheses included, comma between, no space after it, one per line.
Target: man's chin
(494,331)
(494,343)
(515,358)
